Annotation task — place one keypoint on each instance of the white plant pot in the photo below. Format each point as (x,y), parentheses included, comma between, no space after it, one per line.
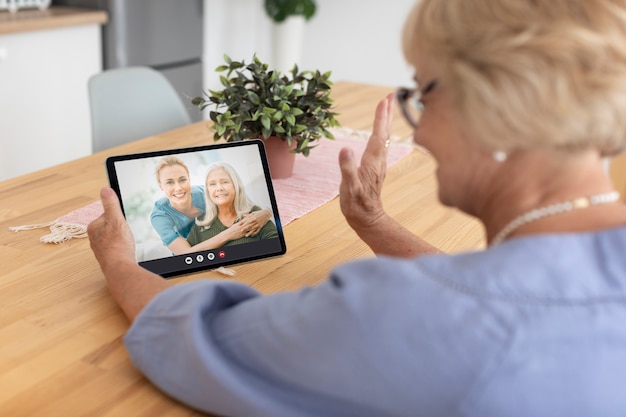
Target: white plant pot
(287,43)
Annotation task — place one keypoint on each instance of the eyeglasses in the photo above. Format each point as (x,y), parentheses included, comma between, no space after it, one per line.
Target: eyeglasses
(410,100)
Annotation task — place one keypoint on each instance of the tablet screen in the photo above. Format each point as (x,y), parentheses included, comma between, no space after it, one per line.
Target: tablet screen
(189,208)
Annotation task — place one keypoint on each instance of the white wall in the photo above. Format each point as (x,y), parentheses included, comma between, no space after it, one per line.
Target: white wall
(44,106)
(358,40)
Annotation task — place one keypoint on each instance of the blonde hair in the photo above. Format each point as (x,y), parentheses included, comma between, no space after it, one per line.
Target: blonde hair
(529,73)
(168,161)
(242,203)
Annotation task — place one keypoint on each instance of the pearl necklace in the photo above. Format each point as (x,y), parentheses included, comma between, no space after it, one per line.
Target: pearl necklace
(557,208)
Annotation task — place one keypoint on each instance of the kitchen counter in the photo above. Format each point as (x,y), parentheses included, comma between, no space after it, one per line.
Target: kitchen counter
(25,20)
(47,56)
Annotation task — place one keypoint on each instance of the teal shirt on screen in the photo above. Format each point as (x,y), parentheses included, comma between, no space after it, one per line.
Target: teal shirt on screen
(170,223)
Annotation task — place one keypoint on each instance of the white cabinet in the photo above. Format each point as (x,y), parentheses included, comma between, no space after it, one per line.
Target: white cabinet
(44,108)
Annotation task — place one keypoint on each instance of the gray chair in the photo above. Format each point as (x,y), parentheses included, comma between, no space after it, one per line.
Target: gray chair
(132,103)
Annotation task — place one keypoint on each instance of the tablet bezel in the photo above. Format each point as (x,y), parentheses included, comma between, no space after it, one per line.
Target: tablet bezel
(177,265)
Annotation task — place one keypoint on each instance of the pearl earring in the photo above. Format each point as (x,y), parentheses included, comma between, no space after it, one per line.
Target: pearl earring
(499,156)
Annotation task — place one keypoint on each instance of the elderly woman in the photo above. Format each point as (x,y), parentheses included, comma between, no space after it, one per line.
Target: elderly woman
(519,102)
(227,204)
(173,215)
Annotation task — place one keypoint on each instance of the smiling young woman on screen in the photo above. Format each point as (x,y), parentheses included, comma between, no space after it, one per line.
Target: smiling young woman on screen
(174,215)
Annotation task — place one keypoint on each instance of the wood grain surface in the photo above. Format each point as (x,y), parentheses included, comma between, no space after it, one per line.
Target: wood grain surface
(27,20)
(61,350)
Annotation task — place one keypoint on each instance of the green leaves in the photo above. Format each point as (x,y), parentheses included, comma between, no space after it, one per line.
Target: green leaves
(279,10)
(290,119)
(257,102)
(266,122)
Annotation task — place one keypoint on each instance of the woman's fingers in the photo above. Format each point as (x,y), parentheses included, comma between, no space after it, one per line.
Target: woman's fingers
(376,148)
(361,185)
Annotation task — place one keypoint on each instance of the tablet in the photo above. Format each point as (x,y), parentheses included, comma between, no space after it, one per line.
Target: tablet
(186,207)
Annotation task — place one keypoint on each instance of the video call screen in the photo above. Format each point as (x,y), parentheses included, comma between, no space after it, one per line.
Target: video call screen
(190,209)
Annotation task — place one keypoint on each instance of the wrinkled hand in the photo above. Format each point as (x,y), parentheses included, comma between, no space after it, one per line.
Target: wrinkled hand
(253,222)
(111,239)
(110,236)
(361,186)
(234,232)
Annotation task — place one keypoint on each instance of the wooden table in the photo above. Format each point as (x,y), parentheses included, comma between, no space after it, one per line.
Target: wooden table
(61,351)
(26,20)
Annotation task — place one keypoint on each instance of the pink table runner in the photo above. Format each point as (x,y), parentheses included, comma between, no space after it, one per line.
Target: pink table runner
(316,178)
(315,181)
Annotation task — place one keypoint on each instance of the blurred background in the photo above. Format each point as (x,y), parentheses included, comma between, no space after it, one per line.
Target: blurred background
(44,69)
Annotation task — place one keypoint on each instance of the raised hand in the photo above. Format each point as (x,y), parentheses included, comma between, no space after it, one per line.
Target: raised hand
(360,189)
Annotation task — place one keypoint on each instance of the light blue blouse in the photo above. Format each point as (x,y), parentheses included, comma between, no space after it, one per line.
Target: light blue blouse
(170,223)
(535,326)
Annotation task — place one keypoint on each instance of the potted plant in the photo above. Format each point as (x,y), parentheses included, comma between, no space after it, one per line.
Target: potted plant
(288,17)
(295,110)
